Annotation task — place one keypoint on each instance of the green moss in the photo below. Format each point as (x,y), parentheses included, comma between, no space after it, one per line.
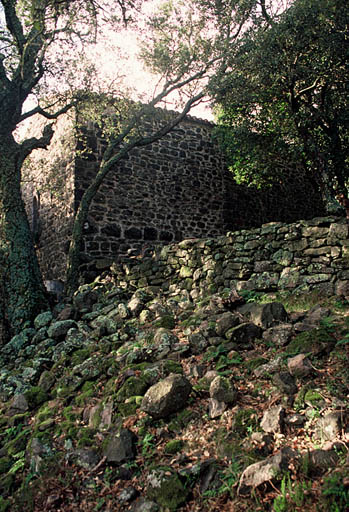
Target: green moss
(86,437)
(138,367)
(172,367)
(310,341)
(313,397)
(299,400)
(87,391)
(252,364)
(127,409)
(67,428)
(192,321)
(18,444)
(18,419)
(7,484)
(174,446)
(203,385)
(181,420)
(168,491)
(45,412)
(166,321)
(133,386)
(36,396)
(69,414)
(46,425)
(79,356)
(44,437)
(64,391)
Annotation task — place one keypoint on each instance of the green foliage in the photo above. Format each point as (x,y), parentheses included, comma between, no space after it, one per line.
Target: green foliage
(148,445)
(284,103)
(335,494)
(291,495)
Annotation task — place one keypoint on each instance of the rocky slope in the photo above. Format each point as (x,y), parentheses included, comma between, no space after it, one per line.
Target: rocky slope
(147,401)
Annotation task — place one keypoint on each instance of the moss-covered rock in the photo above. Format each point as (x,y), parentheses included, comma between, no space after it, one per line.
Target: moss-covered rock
(18,444)
(166,489)
(47,380)
(166,321)
(314,341)
(132,386)
(127,409)
(35,396)
(174,446)
(43,320)
(79,356)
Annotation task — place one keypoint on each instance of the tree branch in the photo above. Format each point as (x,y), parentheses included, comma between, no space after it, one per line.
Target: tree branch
(13,23)
(265,13)
(308,89)
(3,77)
(48,115)
(33,143)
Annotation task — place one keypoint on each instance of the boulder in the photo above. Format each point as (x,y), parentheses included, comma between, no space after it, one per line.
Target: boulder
(58,330)
(244,333)
(331,425)
(166,489)
(166,396)
(299,366)
(121,447)
(280,335)
(226,321)
(264,315)
(222,394)
(273,419)
(197,342)
(43,320)
(266,470)
(285,383)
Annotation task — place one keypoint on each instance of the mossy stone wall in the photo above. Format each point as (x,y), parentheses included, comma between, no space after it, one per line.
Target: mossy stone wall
(298,257)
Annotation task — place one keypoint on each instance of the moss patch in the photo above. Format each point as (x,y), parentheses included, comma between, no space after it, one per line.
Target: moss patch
(168,491)
(35,396)
(313,341)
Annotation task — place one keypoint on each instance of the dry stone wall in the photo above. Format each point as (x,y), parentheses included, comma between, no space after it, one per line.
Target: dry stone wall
(298,257)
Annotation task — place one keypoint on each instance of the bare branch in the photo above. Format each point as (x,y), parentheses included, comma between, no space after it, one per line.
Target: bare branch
(308,89)
(49,115)
(266,16)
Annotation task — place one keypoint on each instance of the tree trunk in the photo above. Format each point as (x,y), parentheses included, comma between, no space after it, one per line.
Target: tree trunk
(23,287)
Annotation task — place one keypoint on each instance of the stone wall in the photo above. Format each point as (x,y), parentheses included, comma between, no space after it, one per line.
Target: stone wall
(172,189)
(48,192)
(298,257)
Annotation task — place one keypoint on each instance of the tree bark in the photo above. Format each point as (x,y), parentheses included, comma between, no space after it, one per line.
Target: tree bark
(24,291)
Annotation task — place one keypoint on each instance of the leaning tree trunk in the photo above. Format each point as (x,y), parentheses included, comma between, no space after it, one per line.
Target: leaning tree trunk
(24,290)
